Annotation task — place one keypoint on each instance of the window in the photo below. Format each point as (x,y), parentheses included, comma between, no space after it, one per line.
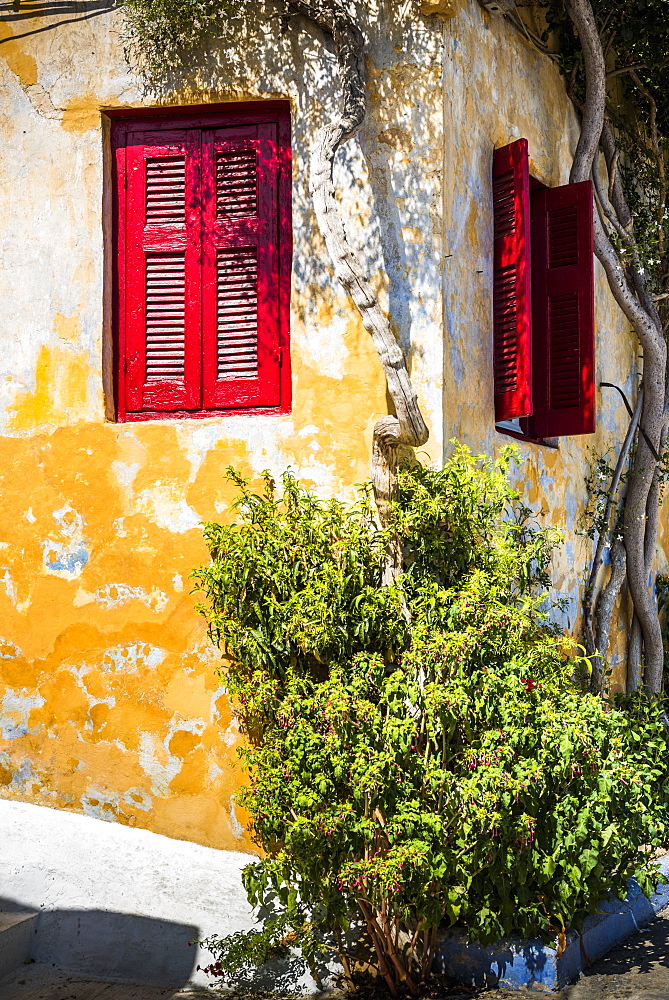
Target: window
(202,209)
(543,300)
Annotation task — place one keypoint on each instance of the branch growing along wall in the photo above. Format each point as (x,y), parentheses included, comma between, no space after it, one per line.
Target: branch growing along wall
(406,427)
(618,252)
(617,71)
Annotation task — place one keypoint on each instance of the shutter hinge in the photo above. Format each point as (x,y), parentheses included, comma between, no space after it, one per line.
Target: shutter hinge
(279,355)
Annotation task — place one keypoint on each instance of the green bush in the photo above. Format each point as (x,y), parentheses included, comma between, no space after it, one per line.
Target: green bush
(165,38)
(424,755)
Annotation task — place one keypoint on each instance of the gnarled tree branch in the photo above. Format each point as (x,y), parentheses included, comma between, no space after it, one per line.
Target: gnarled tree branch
(405,428)
(592,120)
(607,603)
(592,595)
(630,290)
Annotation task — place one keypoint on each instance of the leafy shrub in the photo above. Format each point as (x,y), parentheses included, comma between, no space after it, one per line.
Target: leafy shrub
(298,583)
(162,37)
(423,755)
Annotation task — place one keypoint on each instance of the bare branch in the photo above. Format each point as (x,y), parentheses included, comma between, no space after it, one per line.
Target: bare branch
(516,20)
(605,608)
(634,655)
(592,122)
(632,295)
(612,216)
(645,327)
(624,69)
(616,192)
(613,173)
(406,427)
(658,154)
(591,591)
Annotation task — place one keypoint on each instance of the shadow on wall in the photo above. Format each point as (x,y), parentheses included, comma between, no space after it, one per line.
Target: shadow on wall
(22,10)
(104,944)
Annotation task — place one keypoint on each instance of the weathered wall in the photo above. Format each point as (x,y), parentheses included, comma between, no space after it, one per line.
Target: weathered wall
(109,700)
(110,704)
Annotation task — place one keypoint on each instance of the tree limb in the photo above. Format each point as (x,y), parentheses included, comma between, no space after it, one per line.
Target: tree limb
(658,154)
(605,608)
(624,69)
(406,427)
(634,656)
(616,191)
(591,591)
(592,120)
(635,300)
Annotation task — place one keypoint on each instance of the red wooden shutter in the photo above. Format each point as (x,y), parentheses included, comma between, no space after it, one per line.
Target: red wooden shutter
(240,269)
(564,311)
(162,271)
(512,309)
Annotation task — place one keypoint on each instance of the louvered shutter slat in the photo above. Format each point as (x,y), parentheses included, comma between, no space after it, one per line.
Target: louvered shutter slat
(165,317)
(237,314)
(512,315)
(241,274)
(162,272)
(165,190)
(236,183)
(564,318)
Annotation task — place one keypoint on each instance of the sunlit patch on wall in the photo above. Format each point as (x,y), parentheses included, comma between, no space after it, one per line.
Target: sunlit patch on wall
(128,659)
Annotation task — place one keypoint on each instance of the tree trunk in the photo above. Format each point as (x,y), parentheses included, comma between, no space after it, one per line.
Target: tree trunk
(406,427)
(634,656)
(640,531)
(629,287)
(591,600)
(607,603)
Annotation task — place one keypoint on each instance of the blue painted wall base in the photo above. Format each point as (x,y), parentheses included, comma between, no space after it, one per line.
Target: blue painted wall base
(532,965)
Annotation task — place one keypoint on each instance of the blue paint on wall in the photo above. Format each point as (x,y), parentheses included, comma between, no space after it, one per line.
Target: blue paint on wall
(10,731)
(532,965)
(72,561)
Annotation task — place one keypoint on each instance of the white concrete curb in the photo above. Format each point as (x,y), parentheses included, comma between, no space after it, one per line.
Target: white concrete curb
(115,901)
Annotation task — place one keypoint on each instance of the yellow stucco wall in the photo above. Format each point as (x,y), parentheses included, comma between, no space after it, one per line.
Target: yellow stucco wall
(109,699)
(110,703)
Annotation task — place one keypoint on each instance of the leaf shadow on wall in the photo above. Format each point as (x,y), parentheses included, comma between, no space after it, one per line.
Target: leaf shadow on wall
(26,10)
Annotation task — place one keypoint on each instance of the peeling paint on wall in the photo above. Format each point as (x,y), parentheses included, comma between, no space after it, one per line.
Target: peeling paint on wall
(111,704)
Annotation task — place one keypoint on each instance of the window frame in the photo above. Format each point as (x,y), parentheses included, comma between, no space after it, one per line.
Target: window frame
(124,122)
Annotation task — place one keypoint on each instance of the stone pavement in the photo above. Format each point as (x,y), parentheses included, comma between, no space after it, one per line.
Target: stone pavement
(636,970)
(38,982)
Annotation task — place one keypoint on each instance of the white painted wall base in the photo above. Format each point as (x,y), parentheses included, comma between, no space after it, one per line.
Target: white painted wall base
(115,901)
(17,931)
